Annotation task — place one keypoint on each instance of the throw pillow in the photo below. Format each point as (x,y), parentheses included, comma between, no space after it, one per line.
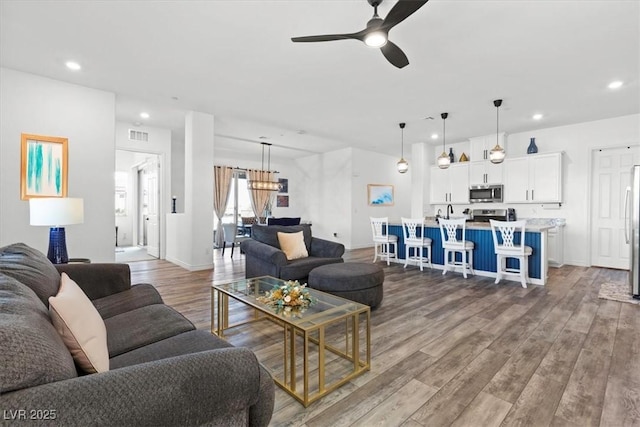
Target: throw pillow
(80,326)
(292,244)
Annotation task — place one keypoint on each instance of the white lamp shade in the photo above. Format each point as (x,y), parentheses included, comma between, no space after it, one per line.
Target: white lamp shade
(56,211)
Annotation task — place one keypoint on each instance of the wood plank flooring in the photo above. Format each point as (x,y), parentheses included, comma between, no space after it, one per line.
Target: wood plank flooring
(449,351)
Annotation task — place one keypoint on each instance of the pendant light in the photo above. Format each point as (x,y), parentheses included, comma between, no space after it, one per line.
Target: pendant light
(403,165)
(264,183)
(497,153)
(443,160)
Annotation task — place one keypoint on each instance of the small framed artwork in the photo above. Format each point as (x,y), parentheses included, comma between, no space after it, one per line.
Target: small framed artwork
(284,182)
(44,166)
(380,194)
(282,201)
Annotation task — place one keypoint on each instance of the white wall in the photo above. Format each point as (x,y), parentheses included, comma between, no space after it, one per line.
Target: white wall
(37,105)
(177,169)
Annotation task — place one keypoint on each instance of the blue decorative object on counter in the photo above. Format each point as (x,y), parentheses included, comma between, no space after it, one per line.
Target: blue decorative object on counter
(533,148)
(452,158)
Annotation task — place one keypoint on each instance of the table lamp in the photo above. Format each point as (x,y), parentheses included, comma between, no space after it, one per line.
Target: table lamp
(56,212)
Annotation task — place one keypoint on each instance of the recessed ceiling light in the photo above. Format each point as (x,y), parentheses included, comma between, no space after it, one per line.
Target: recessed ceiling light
(434,136)
(263,137)
(144,115)
(537,116)
(615,85)
(73,65)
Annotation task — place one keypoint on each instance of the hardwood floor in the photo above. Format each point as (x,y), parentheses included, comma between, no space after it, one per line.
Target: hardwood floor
(450,351)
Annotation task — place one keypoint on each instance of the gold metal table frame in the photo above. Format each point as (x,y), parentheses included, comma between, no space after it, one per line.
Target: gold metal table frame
(308,328)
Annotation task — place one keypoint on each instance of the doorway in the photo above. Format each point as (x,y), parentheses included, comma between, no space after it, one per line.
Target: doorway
(138,231)
(611,174)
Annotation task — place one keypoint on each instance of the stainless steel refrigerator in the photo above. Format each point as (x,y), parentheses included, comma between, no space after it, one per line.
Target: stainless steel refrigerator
(632,229)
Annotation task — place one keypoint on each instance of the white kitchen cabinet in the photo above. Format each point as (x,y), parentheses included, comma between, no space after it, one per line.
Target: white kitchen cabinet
(481,146)
(533,179)
(485,173)
(450,185)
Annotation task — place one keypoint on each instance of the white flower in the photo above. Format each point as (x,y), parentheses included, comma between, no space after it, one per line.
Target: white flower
(287,298)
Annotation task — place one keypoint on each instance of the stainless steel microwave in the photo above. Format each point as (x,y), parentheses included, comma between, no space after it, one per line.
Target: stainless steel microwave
(486,193)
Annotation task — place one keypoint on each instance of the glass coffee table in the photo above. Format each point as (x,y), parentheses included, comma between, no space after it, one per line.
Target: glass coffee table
(330,339)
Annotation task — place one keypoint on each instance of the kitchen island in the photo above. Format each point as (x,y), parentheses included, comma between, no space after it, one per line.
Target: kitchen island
(484,257)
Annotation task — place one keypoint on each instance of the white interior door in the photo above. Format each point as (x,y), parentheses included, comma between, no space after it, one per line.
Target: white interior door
(152,170)
(611,175)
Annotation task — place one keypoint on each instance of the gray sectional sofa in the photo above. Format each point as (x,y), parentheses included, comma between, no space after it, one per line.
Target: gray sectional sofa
(263,256)
(162,370)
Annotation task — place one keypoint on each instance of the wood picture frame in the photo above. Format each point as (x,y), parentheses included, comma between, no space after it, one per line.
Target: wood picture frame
(380,194)
(44,166)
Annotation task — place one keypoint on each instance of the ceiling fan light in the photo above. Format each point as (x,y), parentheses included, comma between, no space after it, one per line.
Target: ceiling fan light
(444,161)
(375,39)
(403,166)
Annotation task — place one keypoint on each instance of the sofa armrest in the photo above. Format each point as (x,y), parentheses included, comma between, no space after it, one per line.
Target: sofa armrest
(264,252)
(203,388)
(99,280)
(326,248)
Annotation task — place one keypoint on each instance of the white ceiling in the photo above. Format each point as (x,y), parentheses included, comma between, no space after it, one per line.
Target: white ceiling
(235,59)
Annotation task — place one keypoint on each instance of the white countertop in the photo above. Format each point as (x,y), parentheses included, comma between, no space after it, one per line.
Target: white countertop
(471,225)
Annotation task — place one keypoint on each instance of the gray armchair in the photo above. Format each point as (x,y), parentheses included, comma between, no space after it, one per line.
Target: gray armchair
(263,256)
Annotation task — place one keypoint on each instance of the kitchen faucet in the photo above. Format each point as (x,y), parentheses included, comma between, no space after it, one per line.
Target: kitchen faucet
(449,207)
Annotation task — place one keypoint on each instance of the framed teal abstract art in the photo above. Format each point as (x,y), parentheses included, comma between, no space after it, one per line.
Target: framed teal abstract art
(380,195)
(43,171)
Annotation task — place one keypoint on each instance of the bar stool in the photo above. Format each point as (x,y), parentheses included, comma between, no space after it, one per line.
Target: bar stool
(410,227)
(506,247)
(451,245)
(383,240)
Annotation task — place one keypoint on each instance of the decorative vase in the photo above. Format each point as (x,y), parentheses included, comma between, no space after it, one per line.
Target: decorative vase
(533,148)
(451,156)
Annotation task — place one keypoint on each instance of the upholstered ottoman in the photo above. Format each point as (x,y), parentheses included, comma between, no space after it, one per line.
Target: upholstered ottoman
(357,281)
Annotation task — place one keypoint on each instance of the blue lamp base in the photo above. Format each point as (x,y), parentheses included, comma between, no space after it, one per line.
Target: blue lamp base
(57,246)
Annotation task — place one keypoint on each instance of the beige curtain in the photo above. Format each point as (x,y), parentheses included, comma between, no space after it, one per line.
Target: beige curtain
(260,199)
(222,176)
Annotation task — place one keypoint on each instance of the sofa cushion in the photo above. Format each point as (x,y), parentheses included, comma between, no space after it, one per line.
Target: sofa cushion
(185,343)
(269,234)
(137,296)
(143,326)
(283,221)
(31,268)
(299,269)
(31,351)
(80,326)
(292,244)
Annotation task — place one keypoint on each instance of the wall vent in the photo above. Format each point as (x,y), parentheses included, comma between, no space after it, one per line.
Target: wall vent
(136,135)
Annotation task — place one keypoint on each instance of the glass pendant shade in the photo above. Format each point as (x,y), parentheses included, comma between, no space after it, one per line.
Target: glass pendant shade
(402,165)
(497,153)
(444,161)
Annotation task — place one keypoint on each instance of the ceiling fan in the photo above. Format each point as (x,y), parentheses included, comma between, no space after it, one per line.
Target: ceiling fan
(377,31)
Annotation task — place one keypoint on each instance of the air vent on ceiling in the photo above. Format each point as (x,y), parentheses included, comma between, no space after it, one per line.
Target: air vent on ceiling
(136,135)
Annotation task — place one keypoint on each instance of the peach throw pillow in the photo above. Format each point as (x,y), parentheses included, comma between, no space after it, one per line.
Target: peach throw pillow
(292,244)
(80,326)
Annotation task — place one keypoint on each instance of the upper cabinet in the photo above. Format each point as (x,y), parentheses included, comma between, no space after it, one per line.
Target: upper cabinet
(533,179)
(482,145)
(481,170)
(450,185)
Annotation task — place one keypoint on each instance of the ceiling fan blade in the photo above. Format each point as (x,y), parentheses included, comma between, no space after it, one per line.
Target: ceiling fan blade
(394,54)
(329,37)
(401,11)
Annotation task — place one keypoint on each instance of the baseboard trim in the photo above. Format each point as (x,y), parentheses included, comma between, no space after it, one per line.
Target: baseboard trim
(189,266)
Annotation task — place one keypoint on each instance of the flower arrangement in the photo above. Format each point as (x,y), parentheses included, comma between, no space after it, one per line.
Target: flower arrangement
(288,297)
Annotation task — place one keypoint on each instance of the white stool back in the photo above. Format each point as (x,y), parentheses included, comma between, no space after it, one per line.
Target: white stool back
(385,244)
(451,244)
(507,245)
(413,233)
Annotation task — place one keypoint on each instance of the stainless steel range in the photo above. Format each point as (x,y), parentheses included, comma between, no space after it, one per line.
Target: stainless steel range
(484,215)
